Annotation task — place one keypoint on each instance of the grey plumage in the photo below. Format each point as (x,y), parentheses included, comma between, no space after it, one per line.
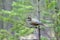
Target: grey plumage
(34,21)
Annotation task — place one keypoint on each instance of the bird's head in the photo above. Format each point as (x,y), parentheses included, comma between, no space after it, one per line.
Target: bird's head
(29,18)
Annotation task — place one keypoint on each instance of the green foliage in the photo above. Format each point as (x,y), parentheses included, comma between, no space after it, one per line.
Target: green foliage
(49,12)
(44,38)
(17,16)
(51,4)
(56,18)
(5,35)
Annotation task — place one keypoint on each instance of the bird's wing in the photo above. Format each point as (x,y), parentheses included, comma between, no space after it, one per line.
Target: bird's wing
(36,21)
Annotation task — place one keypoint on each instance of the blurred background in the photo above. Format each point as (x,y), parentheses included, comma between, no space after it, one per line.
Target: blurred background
(13,14)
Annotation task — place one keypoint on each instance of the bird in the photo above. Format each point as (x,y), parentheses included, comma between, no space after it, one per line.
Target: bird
(34,21)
